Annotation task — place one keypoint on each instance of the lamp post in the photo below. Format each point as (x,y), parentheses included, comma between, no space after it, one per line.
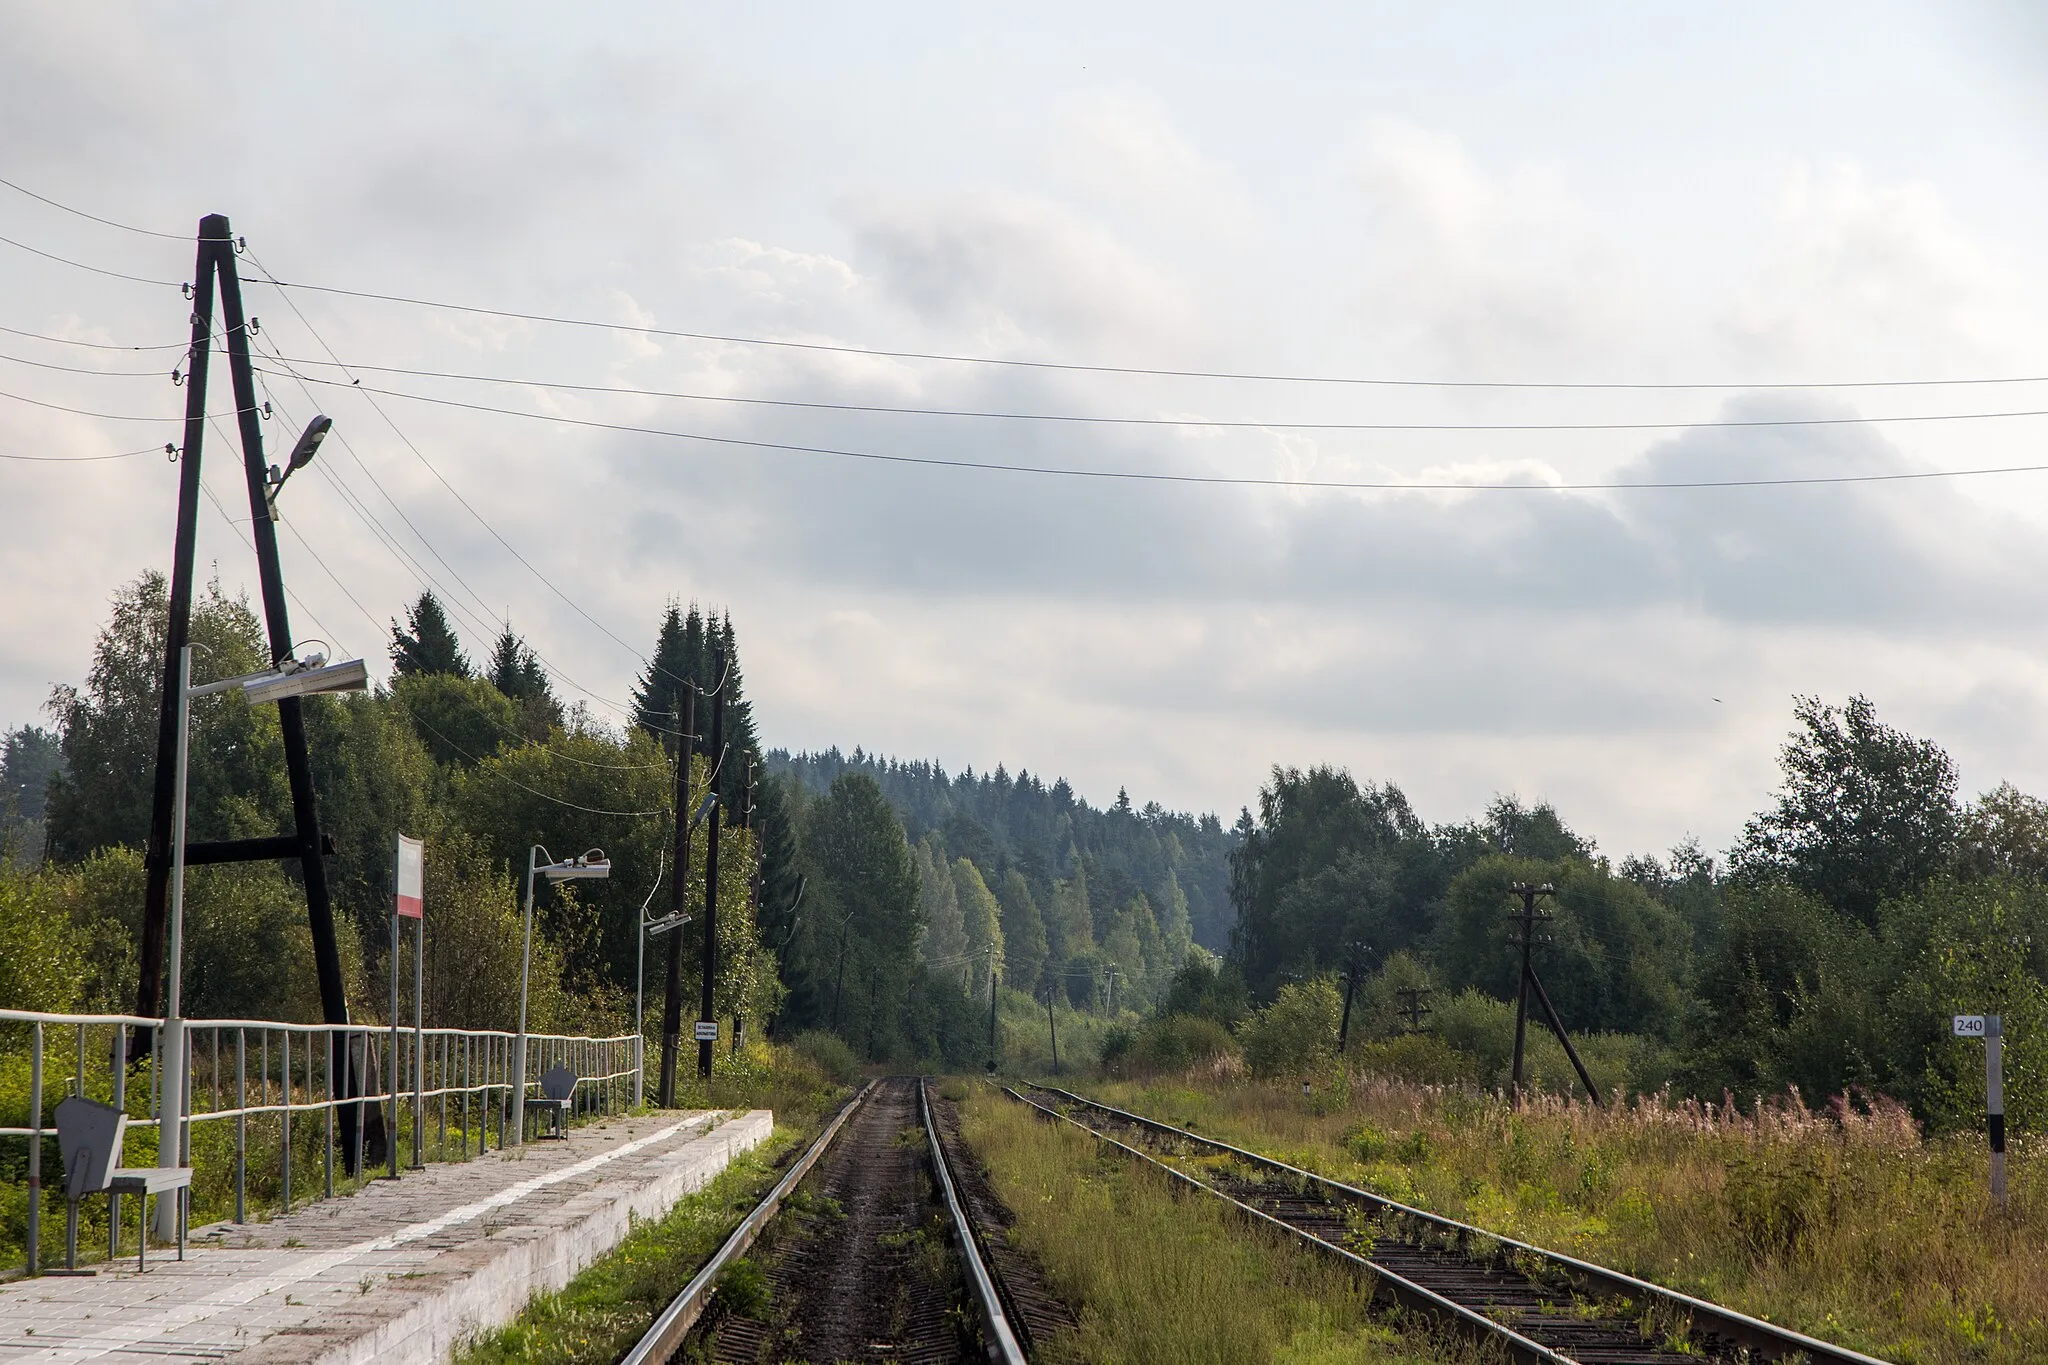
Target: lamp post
(656,927)
(305,677)
(584,866)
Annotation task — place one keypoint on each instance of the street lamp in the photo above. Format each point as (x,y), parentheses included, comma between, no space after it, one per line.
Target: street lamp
(656,927)
(302,455)
(305,677)
(584,866)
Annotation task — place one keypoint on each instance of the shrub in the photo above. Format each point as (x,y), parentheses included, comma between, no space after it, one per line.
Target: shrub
(829,1053)
(1418,1057)
(1175,1042)
(1297,1033)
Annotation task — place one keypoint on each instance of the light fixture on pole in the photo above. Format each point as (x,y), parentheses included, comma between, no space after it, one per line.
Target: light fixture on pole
(292,678)
(302,455)
(584,866)
(656,927)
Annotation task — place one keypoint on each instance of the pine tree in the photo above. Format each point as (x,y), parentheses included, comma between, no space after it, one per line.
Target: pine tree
(679,660)
(429,646)
(517,672)
(981,918)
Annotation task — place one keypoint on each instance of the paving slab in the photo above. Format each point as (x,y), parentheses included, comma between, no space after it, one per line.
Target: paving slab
(401,1271)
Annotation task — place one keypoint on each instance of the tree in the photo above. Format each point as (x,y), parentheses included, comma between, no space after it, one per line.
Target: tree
(427,644)
(981,920)
(1328,862)
(1867,811)
(517,672)
(29,757)
(944,943)
(2005,833)
(236,783)
(680,660)
(1023,932)
(861,863)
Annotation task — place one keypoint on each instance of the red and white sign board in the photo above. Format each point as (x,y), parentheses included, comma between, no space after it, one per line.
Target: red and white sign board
(411,879)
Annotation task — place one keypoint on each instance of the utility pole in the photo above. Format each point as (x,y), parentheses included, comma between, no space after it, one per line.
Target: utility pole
(753,885)
(1052,1028)
(679,897)
(705,1014)
(1527,919)
(1354,962)
(991,1008)
(1413,1006)
(215,270)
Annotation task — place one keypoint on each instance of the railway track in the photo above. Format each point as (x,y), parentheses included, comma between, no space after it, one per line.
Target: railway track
(1540,1306)
(883,1241)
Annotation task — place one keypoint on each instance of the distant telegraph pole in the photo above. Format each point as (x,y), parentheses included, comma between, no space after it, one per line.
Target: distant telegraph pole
(1354,963)
(707,1020)
(679,897)
(1413,1006)
(1526,921)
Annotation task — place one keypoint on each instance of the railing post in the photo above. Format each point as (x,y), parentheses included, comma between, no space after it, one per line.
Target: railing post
(285,1162)
(35,1149)
(241,1123)
(119,1065)
(327,1124)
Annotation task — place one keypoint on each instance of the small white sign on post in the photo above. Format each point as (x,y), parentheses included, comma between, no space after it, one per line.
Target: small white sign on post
(1991,1028)
(1969,1026)
(707,1030)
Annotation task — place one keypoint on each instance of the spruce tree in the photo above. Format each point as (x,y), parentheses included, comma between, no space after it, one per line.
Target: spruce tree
(429,645)
(517,672)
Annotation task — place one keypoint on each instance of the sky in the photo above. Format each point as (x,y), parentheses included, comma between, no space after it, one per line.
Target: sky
(1774,202)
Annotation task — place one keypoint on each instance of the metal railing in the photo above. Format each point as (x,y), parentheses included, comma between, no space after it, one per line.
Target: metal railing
(239,1070)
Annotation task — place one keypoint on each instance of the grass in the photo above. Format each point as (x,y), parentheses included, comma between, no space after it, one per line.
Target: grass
(598,1315)
(1846,1224)
(1161,1276)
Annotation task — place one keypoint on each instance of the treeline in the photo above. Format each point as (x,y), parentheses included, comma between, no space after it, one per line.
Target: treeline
(884,926)
(480,758)
(1824,952)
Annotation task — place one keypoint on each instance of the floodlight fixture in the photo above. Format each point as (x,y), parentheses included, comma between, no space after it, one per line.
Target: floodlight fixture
(302,455)
(584,866)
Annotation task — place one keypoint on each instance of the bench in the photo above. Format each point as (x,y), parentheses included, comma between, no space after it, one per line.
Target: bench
(557,1093)
(90,1136)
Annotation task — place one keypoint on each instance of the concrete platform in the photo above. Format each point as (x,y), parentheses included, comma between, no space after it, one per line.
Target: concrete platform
(399,1272)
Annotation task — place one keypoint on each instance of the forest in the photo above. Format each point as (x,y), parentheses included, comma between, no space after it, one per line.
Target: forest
(888,906)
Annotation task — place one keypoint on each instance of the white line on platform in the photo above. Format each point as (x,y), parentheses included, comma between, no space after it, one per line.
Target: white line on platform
(133,1332)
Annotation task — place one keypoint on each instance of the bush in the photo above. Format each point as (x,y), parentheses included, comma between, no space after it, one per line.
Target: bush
(1297,1033)
(1418,1057)
(1170,1044)
(829,1053)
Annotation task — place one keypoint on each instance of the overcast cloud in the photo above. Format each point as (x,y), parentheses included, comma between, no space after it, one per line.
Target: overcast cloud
(1481,192)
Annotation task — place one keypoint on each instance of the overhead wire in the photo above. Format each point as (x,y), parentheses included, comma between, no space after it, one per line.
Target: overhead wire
(1253,481)
(82,369)
(1238,424)
(1076,367)
(97,270)
(87,459)
(81,213)
(652,665)
(425,578)
(94,345)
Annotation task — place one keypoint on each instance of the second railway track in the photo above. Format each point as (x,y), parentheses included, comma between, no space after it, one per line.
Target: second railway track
(1539,1305)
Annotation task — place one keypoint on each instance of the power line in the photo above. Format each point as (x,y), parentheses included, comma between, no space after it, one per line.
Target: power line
(961,359)
(97,270)
(89,459)
(510,548)
(96,345)
(83,369)
(1102,420)
(425,578)
(1249,481)
(90,412)
(1708,424)
(1073,367)
(531,791)
(66,208)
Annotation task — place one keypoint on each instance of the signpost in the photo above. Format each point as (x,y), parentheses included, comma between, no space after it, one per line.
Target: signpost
(1991,1028)
(408,901)
(707,1030)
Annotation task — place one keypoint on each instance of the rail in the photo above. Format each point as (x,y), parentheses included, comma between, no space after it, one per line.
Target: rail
(1002,1341)
(666,1336)
(1599,1281)
(298,1070)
